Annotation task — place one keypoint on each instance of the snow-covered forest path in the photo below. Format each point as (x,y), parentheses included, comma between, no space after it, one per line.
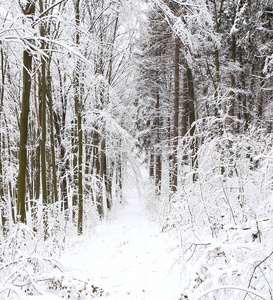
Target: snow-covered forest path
(128,257)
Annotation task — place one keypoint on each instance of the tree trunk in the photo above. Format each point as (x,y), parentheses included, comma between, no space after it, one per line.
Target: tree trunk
(96,169)
(158,154)
(78,113)
(64,166)
(75,150)
(191,121)
(43,123)
(103,170)
(176,115)
(88,165)
(184,112)
(184,118)
(243,97)
(37,156)
(80,170)
(3,204)
(21,209)
(119,176)
(217,16)
(27,66)
(260,105)
(52,142)
(231,113)
(59,120)
(151,164)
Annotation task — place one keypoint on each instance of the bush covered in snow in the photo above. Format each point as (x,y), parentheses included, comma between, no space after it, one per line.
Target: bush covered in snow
(224,218)
(28,267)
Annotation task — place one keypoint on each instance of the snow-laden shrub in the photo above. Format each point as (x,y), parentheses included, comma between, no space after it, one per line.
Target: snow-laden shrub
(28,267)
(235,266)
(224,216)
(21,264)
(234,181)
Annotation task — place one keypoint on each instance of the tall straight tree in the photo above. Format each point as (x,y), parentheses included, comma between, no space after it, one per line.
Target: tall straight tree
(191,110)
(59,121)
(176,114)
(158,166)
(3,203)
(53,156)
(28,10)
(78,113)
(43,123)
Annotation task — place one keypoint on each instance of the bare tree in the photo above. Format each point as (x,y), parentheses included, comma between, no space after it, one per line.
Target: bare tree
(28,11)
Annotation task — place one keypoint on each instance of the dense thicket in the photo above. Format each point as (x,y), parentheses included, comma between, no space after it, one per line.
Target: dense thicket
(64,68)
(203,83)
(215,152)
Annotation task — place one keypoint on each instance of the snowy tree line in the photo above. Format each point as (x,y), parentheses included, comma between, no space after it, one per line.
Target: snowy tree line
(206,73)
(205,120)
(64,68)
(205,110)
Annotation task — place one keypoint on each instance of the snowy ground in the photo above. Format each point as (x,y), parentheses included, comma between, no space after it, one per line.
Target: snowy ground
(128,257)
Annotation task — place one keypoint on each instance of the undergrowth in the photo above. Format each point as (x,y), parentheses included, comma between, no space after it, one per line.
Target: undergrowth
(28,266)
(224,219)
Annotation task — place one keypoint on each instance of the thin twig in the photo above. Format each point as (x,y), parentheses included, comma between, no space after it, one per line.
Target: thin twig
(228,202)
(230,288)
(258,266)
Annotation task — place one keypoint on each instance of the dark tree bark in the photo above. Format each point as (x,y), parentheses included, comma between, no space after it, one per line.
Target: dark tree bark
(3,203)
(59,123)
(43,124)
(231,113)
(184,112)
(37,154)
(103,171)
(158,140)
(78,113)
(218,19)
(27,67)
(52,140)
(243,97)
(191,121)
(96,170)
(176,115)
(151,164)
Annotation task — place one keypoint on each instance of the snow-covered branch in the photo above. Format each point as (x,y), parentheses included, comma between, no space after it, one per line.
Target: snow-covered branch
(230,287)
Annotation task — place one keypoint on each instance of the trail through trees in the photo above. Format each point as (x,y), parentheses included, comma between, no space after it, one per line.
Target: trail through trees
(87,87)
(128,256)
